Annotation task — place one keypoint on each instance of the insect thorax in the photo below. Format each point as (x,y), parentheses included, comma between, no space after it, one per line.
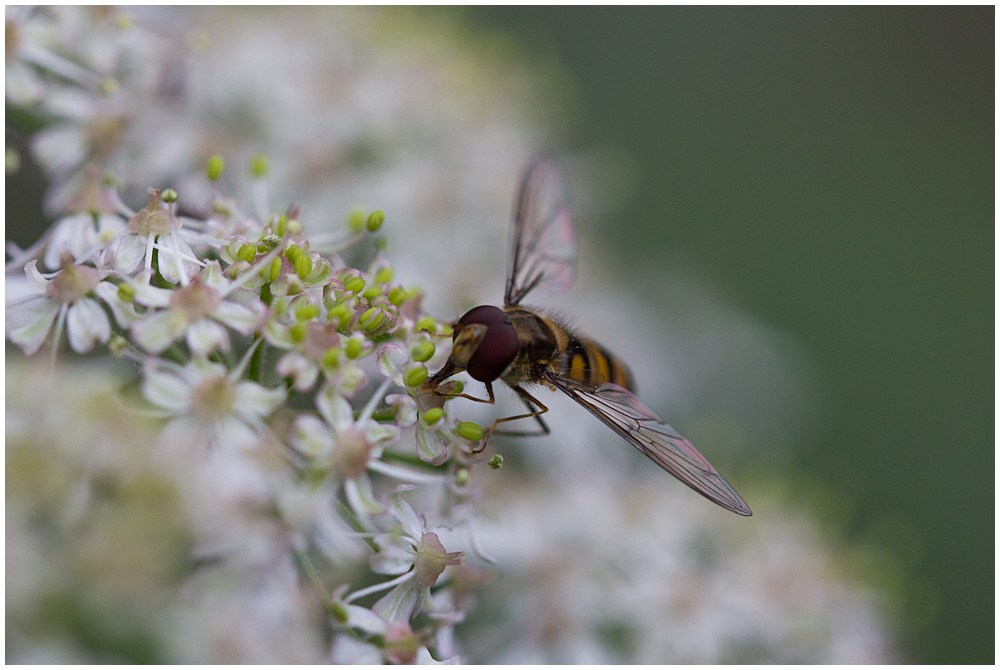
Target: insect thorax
(540,341)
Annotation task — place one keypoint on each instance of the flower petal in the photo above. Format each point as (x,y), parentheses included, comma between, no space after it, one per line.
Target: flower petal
(392,559)
(86,324)
(205,336)
(239,317)
(400,603)
(430,446)
(335,408)
(299,369)
(124,312)
(167,263)
(71,235)
(401,509)
(28,323)
(360,497)
(167,390)
(312,439)
(157,331)
(253,401)
(126,253)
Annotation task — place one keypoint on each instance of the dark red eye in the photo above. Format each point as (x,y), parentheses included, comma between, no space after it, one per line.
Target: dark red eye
(499,346)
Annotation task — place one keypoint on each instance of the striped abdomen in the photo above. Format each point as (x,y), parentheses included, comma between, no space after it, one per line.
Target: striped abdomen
(589,363)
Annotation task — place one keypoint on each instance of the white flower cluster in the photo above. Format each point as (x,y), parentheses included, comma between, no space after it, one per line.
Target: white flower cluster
(185,295)
(276,487)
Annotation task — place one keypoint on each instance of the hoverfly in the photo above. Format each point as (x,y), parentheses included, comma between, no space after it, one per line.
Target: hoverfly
(520,346)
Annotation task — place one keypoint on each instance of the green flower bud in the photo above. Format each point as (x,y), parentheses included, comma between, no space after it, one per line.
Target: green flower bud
(433,415)
(354,347)
(294,227)
(282,225)
(356,220)
(427,323)
(169,195)
(126,292)
(372,319)
(298,331)
(354,284)
(459,386)
(117,345)
(384,275)
(375,220)
(422,352)
(343,313)
(461,476)
(303,265)
(271,272)
(215,165)
(259,166)
(470,431)
(397,295)
(371,293)
(496,461)
(292,252)
(331,357)
(306,311)
(416,376)
(247,252)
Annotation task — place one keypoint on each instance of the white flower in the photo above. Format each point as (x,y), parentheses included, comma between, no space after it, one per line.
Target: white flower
(411,551)
(59,300)
(196,311)
(153,227)
(82,236)
(349,446)
(209,405)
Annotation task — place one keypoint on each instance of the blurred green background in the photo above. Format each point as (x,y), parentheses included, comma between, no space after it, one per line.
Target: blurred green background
(829,170)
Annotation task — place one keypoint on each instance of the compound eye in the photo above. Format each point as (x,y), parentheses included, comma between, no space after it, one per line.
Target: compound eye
(484,314)
(497,350)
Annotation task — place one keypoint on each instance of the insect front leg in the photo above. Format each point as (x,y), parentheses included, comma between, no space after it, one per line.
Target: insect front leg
(489,391)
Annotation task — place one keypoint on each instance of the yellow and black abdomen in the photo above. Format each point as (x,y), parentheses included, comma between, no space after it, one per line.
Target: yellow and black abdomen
(589,363)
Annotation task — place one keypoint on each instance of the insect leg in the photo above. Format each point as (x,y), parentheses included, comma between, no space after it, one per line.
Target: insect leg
(489,391)
(527,398)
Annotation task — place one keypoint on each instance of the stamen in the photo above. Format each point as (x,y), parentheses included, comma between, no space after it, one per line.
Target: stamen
(384,586)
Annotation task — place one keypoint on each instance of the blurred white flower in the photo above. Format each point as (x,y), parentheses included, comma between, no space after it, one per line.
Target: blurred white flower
(60,299)
(209,404)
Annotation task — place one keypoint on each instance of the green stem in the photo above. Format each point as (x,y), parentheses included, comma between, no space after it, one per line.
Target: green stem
(312,576)
(256,371)
(355,523)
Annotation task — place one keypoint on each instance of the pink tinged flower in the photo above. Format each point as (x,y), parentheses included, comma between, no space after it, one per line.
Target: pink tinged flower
(196,311)
(151,227)
(59,300)
(417,555)
(432,559)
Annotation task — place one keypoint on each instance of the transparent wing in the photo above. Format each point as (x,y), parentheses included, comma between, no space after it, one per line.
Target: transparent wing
(542,242)
(631,419)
